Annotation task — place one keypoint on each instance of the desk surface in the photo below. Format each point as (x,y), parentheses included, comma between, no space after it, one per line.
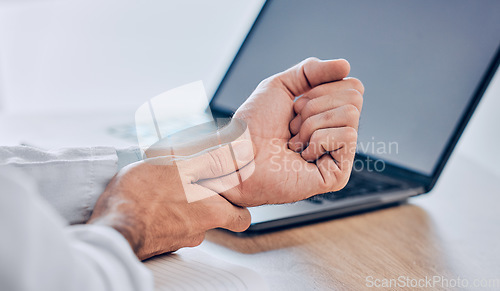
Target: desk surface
(452,232)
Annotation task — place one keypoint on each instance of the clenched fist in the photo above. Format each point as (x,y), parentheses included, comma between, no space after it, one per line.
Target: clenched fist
(302,147)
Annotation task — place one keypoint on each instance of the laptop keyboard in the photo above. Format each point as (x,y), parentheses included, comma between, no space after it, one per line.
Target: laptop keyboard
(356,187)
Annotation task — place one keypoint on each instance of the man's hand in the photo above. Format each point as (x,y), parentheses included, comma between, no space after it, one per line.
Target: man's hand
(305,147)
(300,149)
(146,202)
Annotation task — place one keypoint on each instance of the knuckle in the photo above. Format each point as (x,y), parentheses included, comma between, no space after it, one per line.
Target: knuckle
(310,108)
(311,60)
(357,85)
(351,111)
(272,80)
(327,115)
(356,98)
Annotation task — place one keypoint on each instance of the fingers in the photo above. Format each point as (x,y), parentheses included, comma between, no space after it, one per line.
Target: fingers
(330,140)
(238,219)
(343,116)
(224,184)
(220,162)
(308,107)
(218,212)
(228,151)
(195,193)
(224,172)
(336,166)
(311,73)
(210,213)
(333,88)
(189,142)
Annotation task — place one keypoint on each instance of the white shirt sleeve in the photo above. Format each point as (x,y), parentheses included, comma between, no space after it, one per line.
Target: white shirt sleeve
(38,251)
(71,180)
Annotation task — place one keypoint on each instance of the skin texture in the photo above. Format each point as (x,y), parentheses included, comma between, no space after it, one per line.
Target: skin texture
(297,149)
(146,203)
(305,147)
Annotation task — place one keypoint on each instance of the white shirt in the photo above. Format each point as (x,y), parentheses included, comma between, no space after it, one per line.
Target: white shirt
(38,249)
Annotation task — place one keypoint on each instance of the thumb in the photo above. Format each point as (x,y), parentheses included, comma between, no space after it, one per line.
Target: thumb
(216,163)
(227,151)
(220,167)
(312,72)
(234,153)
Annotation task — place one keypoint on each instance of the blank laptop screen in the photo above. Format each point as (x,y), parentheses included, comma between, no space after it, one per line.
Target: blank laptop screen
(420,62)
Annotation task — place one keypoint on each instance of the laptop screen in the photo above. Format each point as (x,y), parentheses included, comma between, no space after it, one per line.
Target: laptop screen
(420,62)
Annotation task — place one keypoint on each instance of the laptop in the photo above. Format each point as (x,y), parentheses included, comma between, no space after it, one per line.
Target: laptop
(424,64)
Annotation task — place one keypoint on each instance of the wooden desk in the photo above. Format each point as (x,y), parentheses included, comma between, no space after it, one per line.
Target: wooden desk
(452,232)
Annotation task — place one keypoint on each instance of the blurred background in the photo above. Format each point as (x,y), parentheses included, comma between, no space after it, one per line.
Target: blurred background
(80,55)
(68,67)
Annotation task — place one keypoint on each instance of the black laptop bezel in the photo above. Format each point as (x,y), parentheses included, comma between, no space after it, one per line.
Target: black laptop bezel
(426,181)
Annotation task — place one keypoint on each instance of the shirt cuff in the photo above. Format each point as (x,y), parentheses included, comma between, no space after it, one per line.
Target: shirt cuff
(108,251)
(128,156)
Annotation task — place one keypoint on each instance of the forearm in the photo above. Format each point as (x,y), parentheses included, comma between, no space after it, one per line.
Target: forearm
(41,253)
(104,255)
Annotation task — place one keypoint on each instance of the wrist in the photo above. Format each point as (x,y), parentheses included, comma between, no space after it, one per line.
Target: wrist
(125,225)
